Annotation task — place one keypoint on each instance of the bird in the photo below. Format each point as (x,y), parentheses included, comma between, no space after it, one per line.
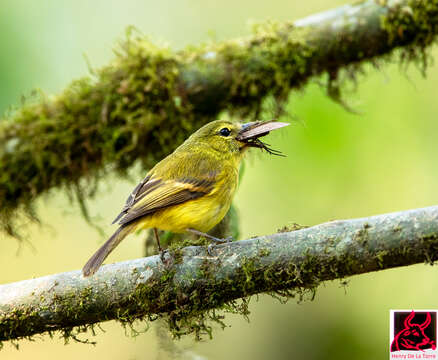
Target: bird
(191,189)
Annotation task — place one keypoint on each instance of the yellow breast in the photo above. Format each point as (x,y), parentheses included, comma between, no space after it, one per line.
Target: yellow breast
(201,214)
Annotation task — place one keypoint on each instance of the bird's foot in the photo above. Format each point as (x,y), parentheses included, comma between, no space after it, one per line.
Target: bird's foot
(217,241)
(222,241)
(212,238)
(166,260)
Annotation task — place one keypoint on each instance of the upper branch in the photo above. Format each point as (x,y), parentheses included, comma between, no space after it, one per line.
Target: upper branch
(149,99)
(191,282)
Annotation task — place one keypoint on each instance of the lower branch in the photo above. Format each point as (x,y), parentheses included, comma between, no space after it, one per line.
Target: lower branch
(190,283)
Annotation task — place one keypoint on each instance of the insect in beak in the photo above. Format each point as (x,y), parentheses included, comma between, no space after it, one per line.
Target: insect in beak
(250,133)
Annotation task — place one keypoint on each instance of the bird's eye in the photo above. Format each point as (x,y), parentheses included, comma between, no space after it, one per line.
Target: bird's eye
(225,132)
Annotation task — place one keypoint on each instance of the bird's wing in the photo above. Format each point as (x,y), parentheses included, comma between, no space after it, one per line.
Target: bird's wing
(154,194)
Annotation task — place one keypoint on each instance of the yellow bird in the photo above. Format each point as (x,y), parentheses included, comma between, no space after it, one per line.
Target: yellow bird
(191,189)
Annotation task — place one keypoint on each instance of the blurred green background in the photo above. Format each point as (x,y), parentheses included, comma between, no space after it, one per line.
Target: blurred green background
(339,165)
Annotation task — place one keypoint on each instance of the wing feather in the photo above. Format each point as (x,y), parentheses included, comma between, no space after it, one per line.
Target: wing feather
(175,184)
(154,194)
(140,191)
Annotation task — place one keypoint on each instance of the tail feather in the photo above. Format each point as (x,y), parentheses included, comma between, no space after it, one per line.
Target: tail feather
(100,255)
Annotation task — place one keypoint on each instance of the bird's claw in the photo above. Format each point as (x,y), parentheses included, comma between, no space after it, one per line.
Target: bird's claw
(223,241)
(163,254)
(210,247)
(229,239)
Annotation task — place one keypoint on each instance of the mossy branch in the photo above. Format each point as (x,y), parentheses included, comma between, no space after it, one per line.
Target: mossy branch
(191,286)
(149,99)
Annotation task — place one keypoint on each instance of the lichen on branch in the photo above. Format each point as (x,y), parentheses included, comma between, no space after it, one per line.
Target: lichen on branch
(191,289)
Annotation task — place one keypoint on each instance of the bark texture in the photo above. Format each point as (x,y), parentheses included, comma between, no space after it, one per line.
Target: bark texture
(191,285)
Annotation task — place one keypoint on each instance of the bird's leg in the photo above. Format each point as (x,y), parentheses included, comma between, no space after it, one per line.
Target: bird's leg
(215,239)
(158,240)
(157,237)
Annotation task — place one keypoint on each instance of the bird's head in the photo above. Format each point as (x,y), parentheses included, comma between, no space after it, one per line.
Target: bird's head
(233,138)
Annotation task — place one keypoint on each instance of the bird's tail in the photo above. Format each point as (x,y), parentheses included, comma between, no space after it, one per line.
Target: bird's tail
(100,255)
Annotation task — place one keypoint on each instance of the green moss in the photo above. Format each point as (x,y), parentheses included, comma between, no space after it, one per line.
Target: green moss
(177,256)
(18,323)
(397,229)
(381,257)
(193,313)
(361,235)
(263,252)
(293,227)
(431,251)
(409,20)
(198,312)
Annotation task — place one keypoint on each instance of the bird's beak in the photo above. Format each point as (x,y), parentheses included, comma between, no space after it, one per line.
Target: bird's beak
(256,129)
(250,133)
